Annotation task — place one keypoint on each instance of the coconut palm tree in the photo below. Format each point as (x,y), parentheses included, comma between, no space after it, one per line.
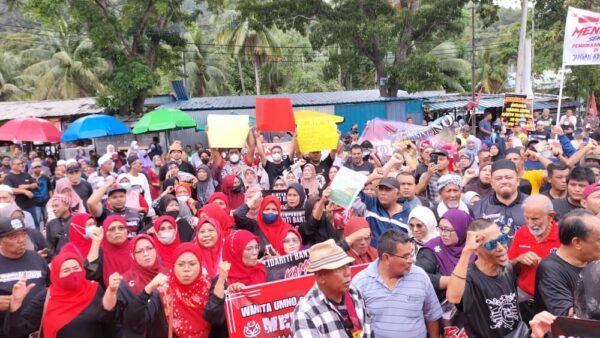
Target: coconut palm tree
(452,66)
(491,72)
(10,86)
(248,37)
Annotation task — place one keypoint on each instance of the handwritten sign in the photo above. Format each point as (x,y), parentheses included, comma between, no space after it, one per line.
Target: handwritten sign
(227,131)
(288,266)
(345,187)
(294,217)
(517,110)
(316,134)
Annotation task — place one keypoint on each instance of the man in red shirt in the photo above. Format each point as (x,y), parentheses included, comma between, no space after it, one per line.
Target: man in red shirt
(531,244)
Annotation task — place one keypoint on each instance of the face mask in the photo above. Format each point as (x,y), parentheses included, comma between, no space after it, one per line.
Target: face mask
(183,199)
(205,160)
(73,281)
(276,157)
(125,186)
(173,214)
(235,158)
(269,218)
(88,232)
(237,188)
(166,237)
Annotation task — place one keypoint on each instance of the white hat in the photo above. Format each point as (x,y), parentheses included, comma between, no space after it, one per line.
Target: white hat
(61,162)
(6,188)
(104,158)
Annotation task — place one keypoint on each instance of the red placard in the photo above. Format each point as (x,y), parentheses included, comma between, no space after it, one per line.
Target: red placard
(265,310)
(274,114)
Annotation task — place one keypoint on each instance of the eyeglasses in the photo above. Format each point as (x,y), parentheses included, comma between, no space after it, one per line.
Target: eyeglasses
(144,250)
(291,241)
(406,257)
(115,229)
(493,244)
(445,230)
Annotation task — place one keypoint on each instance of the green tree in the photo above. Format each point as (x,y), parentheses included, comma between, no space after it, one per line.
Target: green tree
(454,68)
(10,86)
(248,37)
(491,72)
(386,33)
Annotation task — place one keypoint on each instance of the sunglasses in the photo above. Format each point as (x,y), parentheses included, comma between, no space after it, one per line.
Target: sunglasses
(493,244)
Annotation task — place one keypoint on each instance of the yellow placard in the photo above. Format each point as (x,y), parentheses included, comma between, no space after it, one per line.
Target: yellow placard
(316,134)
(227,131)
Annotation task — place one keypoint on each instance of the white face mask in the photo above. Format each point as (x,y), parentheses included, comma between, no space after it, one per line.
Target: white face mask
(183,199)
(276,157)
(235,158)
(166,237)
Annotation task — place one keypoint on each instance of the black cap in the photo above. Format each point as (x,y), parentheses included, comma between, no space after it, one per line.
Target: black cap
(114,188)
(503,164)
(390,182)
(10,225)
(440,152)
(75,167)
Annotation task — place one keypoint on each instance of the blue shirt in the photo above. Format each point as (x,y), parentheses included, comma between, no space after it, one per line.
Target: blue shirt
(380,220)
(403,310)
(485,124)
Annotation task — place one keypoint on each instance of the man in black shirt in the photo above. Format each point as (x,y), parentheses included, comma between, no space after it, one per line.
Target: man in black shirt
(57,230)
(82,188)
(15,262)
(578,179)
(22,184)
(485,290)
(557,275)
(357,163)
(557,176)
(175,154)
(276,167)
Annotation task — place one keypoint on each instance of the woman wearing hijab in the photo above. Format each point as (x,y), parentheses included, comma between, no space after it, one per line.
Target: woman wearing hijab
(268,225)
(64,186)
(233,187)
(496,152)
(214,211)
(318,227)
(110,251)
(222,200)
(466,162)
(153,176)
(80,232)
(204,186)
(439,256)
(357,241)
(422,225)
(166,238)
(170,206)
(295,197)
(280,183)
(134,199)
(309,180)
(144,268)
(182,294)
(184,196)
(209,239)
(290,242)
(72,306)
(481,184)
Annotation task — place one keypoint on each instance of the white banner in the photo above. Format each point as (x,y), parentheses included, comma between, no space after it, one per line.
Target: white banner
(582,38)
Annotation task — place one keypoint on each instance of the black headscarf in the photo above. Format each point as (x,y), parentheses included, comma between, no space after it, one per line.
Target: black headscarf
(301,192)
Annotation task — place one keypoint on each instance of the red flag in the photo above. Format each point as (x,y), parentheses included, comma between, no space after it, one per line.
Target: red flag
(274,114)
(593,107)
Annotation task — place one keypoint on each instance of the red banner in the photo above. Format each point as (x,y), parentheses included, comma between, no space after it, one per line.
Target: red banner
(265,310)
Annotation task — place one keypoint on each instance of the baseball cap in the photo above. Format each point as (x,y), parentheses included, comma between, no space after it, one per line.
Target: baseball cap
(114,188)
(9,225)
(590,189)
(73,168)
(390,182)
(440,152)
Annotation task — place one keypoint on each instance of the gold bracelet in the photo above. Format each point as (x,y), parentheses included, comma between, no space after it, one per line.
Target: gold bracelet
(459,277)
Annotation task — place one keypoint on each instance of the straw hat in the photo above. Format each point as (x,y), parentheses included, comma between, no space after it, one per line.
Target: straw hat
(175,147)
(327,256)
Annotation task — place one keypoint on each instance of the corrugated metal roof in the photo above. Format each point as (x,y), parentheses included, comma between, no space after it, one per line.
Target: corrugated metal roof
(494,101)
(49,108)
(298,100)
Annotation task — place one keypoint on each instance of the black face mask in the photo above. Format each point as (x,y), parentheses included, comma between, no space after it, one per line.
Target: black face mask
(173,214)
(237,188)
(205,160)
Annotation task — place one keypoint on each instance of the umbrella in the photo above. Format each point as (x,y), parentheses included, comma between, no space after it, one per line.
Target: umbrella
(92,126)
(163,119)
(29,129)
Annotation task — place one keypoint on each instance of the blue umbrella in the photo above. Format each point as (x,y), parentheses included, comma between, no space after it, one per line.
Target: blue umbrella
(93,126)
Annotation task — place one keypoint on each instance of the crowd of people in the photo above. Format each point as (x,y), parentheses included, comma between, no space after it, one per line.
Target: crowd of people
(492,236)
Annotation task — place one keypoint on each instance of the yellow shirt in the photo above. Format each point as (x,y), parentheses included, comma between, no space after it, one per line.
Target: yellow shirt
(536,178)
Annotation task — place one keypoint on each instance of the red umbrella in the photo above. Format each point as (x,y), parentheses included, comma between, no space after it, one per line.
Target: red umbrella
(30,129)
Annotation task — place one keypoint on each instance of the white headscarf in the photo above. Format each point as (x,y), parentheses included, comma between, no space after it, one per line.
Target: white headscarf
(426,216)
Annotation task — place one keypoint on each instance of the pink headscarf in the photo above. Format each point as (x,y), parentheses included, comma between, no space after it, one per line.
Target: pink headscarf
(75,202)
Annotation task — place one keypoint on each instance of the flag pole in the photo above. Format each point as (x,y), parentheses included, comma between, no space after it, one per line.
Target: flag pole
(560,92)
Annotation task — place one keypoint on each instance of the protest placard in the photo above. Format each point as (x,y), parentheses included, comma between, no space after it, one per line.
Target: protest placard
(517,109)
(294,217)
(316,134)
(280,194)
(288,266)
(274,114)
(573,327)
(227,131)
(285,147)
(581,38)
(265,310)
(345,187)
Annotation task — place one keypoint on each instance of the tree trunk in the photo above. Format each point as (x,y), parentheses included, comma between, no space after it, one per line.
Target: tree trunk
(239,63)
(380,72)
(138,104)
(257,76)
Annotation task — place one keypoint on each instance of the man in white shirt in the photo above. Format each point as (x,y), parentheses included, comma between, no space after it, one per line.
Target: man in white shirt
(137,177)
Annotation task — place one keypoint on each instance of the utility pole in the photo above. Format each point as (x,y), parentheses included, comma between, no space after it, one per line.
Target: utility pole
(473,82)
(521,84)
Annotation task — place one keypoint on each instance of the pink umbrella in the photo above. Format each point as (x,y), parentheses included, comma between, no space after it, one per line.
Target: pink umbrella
(30,129)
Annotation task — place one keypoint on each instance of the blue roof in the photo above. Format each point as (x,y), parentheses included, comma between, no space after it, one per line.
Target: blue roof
(495,101)
(298,100)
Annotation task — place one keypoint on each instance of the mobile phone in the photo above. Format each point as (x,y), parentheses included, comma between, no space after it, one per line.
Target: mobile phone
(433,158)
(586,139)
